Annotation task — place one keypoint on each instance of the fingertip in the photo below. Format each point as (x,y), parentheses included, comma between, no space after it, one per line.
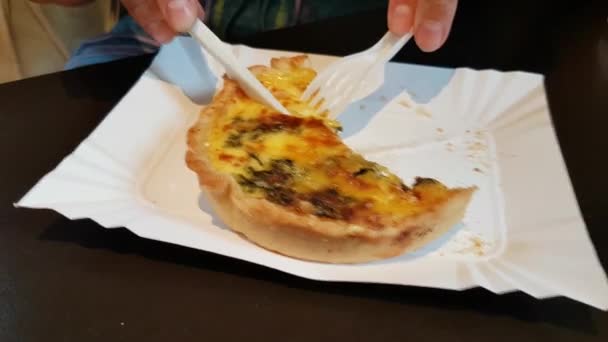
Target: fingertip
(433,22)
(181,14)
(200,12)
(400,19)
(429,35)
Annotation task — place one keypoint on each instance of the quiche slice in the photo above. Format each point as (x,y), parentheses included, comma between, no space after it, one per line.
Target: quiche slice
(290,185)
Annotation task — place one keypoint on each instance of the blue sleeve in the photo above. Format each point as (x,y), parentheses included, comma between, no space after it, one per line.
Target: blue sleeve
(127,39)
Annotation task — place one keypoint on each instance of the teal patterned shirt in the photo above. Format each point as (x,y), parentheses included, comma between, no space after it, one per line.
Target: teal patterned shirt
(229,19)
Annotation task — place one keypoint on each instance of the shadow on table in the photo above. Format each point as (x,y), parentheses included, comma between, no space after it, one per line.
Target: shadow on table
(559,312)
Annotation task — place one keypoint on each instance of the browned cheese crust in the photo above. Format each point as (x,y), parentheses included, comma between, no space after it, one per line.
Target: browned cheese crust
(304,235)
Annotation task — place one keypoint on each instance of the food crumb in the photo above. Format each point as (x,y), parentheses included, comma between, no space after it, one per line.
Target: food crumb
(507,155)
(362,107)
(404,104)
(477,146)
(440,130)
(467,243)
(477,170)
(475,246)
(478,246)
(122,323)
(423,112)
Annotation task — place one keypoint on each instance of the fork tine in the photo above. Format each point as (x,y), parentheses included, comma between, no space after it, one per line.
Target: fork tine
(315,86)
(335,112)
(343,101)
(326,76)
(310,90)
(312,98)
(344,86)
(337,95)
(334,87)
(316,101)
(321,92)
(328,95)
(321,78)
(322,108)
(331,105)
(322,97)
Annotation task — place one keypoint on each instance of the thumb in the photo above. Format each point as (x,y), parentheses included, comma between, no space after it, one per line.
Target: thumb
(179,14)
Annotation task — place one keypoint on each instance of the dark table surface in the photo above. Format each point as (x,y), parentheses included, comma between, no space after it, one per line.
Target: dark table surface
(64,280)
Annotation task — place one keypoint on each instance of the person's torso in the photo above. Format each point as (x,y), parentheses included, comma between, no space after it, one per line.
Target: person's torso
(233,19)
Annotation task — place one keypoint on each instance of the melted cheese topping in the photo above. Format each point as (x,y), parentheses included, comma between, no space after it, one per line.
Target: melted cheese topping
(301,163)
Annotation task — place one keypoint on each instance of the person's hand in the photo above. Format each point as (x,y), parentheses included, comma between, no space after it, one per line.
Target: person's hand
(69,3)
(163,19)
(429,20)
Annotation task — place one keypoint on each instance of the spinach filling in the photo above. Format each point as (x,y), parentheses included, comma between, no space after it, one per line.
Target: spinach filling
(276,183)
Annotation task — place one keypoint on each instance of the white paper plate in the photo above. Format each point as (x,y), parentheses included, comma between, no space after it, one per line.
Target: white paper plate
(523,230)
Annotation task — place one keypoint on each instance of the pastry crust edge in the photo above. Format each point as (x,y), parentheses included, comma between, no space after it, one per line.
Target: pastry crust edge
(305,236)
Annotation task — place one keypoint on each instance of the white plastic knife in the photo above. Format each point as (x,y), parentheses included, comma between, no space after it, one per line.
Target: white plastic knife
(246,80)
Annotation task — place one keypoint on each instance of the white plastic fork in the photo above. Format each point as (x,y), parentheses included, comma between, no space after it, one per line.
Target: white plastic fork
(349,79)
